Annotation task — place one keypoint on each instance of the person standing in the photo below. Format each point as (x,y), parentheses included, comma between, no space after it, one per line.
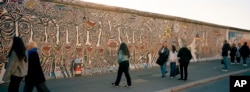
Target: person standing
(233,51)
(225,49)
(163,58)
(238,56)
(185,56)
(17,66)
(123,61)
(244,52)
(173,61)
(35,76)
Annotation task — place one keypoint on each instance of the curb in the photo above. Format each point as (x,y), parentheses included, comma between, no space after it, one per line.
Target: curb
(203,81)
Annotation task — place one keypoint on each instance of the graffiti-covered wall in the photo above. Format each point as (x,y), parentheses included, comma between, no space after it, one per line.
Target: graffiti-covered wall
(83,40)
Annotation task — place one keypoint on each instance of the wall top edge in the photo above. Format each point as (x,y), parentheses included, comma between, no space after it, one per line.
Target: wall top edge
(139,13)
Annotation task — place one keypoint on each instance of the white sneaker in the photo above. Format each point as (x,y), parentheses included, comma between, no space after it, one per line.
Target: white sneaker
(224,70)
(244,64)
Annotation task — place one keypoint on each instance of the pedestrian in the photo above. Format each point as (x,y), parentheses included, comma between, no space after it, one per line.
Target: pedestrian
(244,52)
(225,49)
(17,66)
(123,61)
(173,59)
(163,58)
(233,51)
(35,76)
(185,56)
(238,56)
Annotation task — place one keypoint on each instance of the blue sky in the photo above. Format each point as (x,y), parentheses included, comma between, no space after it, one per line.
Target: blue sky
(234,13)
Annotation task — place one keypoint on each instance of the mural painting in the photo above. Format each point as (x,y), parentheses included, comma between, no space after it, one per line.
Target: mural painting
(74,40)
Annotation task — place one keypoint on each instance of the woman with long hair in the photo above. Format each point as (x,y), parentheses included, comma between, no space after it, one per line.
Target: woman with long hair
(123,61)
(17,66)
(173,59)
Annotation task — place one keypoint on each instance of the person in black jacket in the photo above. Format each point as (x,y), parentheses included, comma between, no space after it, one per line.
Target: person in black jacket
(163,57)
(244,52)
(233,51)
(185,56)
(35,76)
(225,49)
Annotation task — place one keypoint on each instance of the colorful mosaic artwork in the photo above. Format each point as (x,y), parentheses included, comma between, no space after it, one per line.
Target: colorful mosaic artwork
(75,40)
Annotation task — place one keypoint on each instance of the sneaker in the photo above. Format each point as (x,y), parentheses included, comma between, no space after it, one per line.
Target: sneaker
(113,84)
(171,77)
(224,70)
(244,64)
(232,63)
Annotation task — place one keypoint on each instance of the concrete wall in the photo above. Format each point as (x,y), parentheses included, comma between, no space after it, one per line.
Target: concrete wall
(91,33)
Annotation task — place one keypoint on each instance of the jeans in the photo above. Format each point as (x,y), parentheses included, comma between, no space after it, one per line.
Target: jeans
(238,59)
(163,69)
(172,69)
(226,63)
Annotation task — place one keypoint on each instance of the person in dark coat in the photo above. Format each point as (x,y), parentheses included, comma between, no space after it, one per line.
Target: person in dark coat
(35,76)
(185,56)
(163,58)
(225,49)
(233,51)
(244,52)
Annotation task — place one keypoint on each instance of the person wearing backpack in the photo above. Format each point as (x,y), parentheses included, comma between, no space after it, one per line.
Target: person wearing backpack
(238,56)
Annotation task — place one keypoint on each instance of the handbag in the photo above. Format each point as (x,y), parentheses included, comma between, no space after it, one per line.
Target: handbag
(159,61)
(177,71)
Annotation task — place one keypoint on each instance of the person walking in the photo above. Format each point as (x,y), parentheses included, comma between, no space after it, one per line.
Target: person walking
(123,61)
(173,59)
(35,76)
(233,51)
(238,56)
(225,49)
(185,56)
(244,52)
(17,66)
(163,58)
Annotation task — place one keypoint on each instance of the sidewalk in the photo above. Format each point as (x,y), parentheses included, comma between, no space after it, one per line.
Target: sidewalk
(147,80)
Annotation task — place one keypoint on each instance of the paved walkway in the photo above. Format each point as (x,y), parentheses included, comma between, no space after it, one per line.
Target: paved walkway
(147,80)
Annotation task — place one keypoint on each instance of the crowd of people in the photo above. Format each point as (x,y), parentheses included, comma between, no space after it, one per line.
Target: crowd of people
(24,63)
(237,54)
(179,60)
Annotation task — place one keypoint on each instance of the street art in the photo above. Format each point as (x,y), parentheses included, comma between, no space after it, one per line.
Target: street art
(71,38)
